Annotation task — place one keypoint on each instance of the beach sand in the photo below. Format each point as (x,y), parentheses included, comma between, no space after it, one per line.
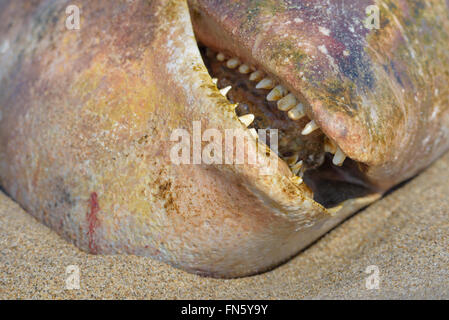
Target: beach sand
(405,234)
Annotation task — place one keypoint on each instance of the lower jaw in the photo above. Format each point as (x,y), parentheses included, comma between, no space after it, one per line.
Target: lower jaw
(265,104)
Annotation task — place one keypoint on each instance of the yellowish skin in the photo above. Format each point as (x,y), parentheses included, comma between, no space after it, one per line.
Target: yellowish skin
(85,125)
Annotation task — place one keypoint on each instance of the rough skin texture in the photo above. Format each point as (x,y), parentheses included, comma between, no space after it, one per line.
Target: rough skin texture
(85,123)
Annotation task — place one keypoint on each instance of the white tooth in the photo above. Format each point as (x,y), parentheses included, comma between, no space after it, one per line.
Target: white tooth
(292,160)
(266,83)
(247,119)
(221,57)
(329,146)
(225,91)
(339,157)
(215,81)
(296,180)
(309,128)
(253,132)
(256,76)
(297,113)
(297,167)
(277,93)
(244,69)
(233,63)
(287,102)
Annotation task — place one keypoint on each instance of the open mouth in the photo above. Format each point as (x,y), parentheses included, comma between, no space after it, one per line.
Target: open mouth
(265,103)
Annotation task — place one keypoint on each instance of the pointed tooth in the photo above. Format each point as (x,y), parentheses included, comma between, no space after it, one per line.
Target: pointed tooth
(295,168)
(221,57)
(296,180)
(329,146)
(266,83)
(234,106)
(233,63)
(253,132)
(256,76)
(339,157)
(287,102)
(277,93)
(244,69)
(225,91)
(292,159)
(215,81)
(309,128)
(297,113)
(247,119)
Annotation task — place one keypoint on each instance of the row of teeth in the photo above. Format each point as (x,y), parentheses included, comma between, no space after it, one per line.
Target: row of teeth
(286,102)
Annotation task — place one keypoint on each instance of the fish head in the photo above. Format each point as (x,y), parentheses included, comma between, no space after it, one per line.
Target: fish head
(111,107)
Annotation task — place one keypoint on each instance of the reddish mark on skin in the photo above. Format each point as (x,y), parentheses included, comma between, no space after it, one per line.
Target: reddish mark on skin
(93,221)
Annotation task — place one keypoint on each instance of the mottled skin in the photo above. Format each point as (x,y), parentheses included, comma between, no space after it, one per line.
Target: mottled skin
(86,116)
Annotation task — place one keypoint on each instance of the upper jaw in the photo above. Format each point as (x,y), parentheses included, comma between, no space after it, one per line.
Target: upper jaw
(329,63)
(287,48)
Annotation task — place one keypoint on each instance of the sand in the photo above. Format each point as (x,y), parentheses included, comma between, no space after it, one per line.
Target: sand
(405,234)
